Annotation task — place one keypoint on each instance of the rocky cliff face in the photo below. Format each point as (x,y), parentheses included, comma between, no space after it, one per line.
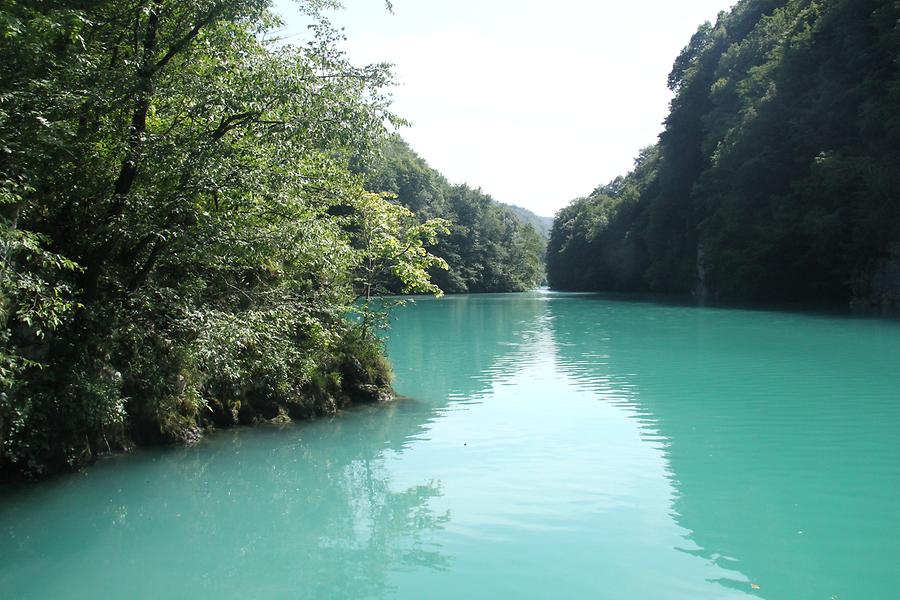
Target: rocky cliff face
(701,289)
(879,287)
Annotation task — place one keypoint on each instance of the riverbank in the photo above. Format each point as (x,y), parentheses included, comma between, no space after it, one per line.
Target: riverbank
(353,371)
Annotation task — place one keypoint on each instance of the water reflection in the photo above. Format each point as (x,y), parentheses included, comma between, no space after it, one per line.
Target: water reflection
(456,348)
(781,433)
(555,493)
(550,446)
(302,512)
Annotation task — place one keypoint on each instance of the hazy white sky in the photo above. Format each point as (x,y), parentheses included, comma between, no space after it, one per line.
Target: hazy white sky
(535,102)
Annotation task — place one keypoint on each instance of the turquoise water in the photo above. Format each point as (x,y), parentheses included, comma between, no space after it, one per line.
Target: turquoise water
(550,446)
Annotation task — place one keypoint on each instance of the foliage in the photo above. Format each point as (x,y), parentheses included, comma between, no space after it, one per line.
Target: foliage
(593,243)
(489,248)
(391,245)
(776,174)
(540,224)
(176,246)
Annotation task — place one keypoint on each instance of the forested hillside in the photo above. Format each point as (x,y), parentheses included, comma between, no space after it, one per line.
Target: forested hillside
(184,232)
(490,247)
(776,176)
(541,224)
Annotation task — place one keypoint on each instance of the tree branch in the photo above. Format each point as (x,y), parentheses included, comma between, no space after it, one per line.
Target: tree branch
(229,123)
(185,40)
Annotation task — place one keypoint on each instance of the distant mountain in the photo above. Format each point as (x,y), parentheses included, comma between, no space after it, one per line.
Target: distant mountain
(541,224)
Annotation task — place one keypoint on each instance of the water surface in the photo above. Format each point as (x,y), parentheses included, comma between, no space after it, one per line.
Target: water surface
(551,446)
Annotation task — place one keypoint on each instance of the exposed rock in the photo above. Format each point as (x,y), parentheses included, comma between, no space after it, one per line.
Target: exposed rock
(190,436)
(369,392)
(701,289)
(880,286)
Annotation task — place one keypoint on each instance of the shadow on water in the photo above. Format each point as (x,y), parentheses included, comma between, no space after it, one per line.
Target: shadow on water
(830,309)
(781,432)
(304,511)
(765,449)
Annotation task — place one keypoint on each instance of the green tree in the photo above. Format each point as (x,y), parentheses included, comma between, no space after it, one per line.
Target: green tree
(775,169)
(173,243)
(490,247)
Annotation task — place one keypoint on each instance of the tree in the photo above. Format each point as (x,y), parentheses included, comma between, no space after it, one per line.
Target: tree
(392,248)
(173,252)
(775,169)
(489,248)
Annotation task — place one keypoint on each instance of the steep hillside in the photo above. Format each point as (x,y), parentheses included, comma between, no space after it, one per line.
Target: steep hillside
(776,176)
(491,247)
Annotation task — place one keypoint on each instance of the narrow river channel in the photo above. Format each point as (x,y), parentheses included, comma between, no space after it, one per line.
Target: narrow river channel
(548,446)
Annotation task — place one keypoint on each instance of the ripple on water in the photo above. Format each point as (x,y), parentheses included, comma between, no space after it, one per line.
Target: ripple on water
(551,446)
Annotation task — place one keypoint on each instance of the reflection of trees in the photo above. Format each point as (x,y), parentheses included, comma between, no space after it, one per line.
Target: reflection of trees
(754,463)
(306,512)
(336,526)
(450,348)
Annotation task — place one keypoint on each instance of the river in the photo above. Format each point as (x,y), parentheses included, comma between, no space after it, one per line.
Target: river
(547,446)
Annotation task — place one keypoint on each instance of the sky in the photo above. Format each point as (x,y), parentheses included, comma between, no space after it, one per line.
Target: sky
(536,103)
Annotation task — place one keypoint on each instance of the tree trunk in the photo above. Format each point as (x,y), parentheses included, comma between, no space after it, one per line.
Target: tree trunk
(129,168)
